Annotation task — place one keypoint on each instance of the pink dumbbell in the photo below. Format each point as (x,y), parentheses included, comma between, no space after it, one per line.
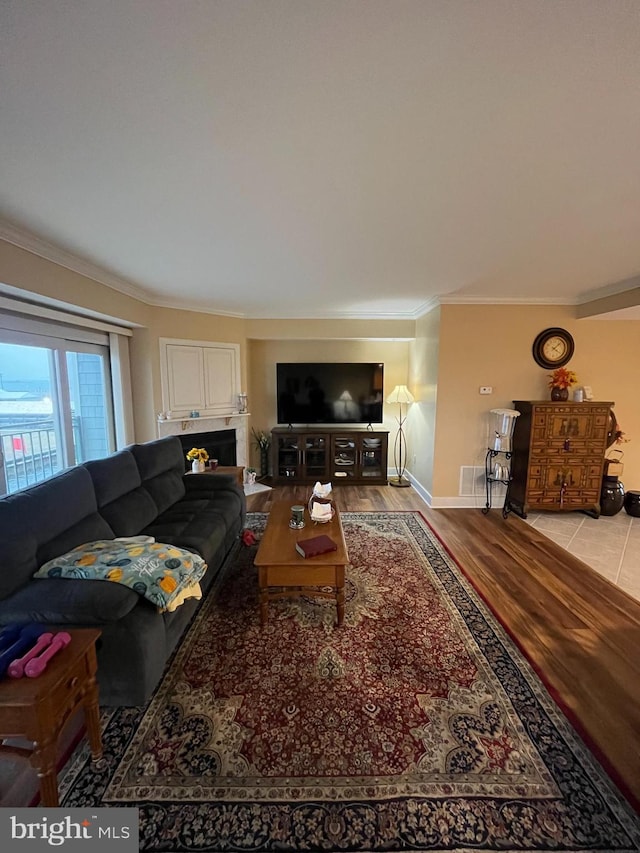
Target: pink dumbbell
(16,667)
(36,666)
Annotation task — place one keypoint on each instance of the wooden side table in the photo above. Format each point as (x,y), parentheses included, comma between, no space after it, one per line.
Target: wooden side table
(38,708)
(235,470)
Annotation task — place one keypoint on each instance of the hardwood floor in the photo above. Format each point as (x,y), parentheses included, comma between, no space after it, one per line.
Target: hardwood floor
(581,632)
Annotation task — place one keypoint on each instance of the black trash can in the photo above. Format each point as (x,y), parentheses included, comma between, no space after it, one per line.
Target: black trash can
(632,503)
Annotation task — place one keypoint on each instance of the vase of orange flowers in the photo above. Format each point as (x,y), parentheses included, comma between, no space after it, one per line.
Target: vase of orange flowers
(560,381)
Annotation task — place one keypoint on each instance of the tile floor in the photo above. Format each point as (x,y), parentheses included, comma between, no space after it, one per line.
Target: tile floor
(609,544)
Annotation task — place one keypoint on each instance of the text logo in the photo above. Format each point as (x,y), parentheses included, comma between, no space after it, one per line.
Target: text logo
(39,829)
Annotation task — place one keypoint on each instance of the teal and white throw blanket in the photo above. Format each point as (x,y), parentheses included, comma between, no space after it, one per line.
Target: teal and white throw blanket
(163,574)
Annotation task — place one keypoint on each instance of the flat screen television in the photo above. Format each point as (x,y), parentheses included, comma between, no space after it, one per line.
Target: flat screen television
(330,393)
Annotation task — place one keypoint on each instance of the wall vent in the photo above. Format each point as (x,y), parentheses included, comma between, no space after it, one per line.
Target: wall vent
(472,484)
(471,480)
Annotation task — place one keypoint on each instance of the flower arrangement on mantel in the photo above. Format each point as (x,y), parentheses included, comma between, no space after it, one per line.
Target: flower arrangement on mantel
(562,378)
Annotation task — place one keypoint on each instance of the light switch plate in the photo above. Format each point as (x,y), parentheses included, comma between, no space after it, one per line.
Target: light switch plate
(486,389)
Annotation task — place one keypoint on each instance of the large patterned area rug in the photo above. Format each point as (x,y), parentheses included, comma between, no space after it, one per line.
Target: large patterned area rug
(417,725)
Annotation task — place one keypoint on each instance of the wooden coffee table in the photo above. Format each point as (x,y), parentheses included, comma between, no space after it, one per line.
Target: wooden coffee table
(284,573)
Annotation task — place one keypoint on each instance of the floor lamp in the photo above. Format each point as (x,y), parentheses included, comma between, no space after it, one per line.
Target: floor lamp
(402,396)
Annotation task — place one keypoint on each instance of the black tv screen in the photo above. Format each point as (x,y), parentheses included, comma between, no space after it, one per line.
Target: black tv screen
(330,393)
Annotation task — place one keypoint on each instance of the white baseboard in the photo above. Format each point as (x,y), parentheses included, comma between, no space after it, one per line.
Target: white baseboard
(457,502)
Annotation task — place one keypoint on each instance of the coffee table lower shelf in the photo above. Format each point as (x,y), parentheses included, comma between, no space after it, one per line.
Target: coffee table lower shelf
(277,582)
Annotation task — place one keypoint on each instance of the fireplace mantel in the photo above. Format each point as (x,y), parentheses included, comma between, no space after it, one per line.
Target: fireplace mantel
(183,426)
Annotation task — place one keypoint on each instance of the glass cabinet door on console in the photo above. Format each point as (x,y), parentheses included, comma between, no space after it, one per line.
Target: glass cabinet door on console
(359,456)
(372,452)
(287,456)
(344,456)
(300,455)
(329,455)
(314,455)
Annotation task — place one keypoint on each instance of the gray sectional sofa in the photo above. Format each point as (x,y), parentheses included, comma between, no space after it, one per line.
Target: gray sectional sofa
(140,490)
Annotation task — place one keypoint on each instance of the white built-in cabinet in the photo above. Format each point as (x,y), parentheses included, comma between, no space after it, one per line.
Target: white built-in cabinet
(199,376)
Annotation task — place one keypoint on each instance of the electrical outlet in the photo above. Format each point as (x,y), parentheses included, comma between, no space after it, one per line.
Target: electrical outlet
(486,389)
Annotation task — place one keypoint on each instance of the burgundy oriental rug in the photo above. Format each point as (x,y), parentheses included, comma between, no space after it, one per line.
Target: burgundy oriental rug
(418,725)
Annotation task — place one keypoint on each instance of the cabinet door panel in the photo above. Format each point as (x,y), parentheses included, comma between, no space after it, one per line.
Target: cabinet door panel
(316,448)
(221,381)
(185,378)
(569,425)
(287,456)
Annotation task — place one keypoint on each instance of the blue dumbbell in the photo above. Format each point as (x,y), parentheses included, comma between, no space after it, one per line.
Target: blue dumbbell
(10,633)
(25,640)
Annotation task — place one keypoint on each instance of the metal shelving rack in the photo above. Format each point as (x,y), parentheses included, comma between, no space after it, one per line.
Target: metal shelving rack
(490,479)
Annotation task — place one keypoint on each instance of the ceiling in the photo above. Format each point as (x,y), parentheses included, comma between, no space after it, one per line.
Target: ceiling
(330,158)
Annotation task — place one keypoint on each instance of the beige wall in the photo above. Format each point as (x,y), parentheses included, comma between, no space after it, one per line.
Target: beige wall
(444,358)
(331,330)
(491,345)
(264,354)
(424,359)
(38,277)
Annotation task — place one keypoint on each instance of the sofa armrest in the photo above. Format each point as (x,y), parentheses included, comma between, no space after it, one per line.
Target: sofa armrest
(68,601)
(210,482)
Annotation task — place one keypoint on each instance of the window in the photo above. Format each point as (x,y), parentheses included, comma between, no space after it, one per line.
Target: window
(56,400)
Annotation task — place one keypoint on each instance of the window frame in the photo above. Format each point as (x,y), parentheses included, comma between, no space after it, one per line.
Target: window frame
(61,339)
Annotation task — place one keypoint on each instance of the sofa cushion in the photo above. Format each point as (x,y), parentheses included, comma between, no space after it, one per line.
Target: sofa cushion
(74,602)
(200,524)
(161,467)
(125,505)
(45,521)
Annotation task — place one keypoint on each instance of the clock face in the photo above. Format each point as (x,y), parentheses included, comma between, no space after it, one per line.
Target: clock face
(553,348)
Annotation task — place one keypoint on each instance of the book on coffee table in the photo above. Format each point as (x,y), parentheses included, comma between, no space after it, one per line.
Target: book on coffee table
(316,545)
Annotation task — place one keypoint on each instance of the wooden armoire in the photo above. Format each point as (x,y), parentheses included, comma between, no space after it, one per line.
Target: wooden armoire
(558,456)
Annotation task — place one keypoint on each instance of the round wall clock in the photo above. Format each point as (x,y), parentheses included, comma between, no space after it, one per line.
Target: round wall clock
(553,348)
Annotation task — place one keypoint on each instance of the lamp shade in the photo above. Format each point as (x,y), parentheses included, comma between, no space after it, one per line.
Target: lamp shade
(400,394)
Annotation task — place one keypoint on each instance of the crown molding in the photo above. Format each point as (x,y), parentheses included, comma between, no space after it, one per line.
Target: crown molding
(24,239)
(505,300)
(197,307)
(335,315)
(609,290)
(428,306)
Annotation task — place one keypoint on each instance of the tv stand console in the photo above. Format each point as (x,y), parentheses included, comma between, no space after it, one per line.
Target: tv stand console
(329,454)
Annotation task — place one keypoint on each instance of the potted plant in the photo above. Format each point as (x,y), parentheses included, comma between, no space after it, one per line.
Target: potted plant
(263,443)
(560,381)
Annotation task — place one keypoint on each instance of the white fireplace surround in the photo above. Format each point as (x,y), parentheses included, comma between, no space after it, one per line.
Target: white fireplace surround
(183,426)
